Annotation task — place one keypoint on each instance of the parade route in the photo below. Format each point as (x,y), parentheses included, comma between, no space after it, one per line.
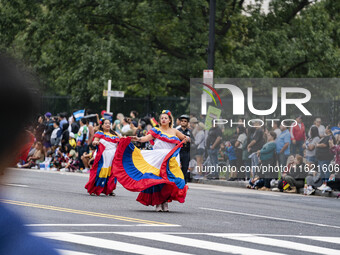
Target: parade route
(213,220)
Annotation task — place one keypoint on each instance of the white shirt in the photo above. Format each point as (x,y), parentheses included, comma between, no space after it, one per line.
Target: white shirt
(242,138)
(126,128)
(277,132)
(54,133)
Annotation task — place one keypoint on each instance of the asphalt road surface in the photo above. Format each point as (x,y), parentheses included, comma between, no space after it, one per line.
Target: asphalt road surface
(213,220)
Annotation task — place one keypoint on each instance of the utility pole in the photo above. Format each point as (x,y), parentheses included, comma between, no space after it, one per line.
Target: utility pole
(211,46)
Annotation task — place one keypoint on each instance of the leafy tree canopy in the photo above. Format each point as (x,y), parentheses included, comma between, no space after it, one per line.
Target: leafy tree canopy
(153,48)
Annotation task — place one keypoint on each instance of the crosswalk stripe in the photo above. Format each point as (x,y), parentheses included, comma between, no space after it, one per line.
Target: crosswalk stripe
(179,240)
(106,244)
(278,243)
(252,215)
(66,252)
(327,239)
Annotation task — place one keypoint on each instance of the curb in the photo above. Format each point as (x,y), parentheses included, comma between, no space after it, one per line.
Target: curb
(243,184)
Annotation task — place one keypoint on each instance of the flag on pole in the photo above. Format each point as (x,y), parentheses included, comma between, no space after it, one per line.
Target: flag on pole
(335,130)
(108,116)
(79,114)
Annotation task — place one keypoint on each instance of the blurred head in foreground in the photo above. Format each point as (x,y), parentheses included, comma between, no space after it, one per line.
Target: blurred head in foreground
(17,106)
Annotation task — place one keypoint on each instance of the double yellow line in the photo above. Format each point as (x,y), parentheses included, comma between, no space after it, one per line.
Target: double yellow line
(101,215)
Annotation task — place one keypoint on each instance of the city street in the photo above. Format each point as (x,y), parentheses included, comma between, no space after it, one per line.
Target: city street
(213,220)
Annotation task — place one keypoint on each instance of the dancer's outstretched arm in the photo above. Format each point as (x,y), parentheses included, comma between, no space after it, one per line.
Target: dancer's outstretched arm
(142,139)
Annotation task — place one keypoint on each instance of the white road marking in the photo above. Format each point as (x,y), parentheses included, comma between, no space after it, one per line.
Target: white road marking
(66,252)
(179,240)
(16,185)
(173,238)
(100,225)
(327,239)
(106,244)
(265,193)
(235,190)
(278,243)
(272,218)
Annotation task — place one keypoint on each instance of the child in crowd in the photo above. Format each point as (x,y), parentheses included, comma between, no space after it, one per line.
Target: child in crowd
(70,159)
(58,159)
(72,140)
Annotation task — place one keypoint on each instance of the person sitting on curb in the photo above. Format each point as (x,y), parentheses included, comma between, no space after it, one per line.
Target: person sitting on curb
(312,181)
(295,177)
(255,183)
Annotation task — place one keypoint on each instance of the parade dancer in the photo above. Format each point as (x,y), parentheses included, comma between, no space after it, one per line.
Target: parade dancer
(156,173)
(101,178)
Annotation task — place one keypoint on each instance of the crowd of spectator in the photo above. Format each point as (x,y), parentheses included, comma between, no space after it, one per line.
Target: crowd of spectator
(309,158)
(62,143)
(299,157)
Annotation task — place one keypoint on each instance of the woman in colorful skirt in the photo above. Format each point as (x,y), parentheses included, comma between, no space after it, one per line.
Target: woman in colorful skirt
(156,173)
(102,179)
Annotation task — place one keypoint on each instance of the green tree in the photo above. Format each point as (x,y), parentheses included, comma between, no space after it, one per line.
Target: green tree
(153,48)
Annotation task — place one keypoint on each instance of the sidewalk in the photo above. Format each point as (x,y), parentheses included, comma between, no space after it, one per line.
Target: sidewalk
(243,184)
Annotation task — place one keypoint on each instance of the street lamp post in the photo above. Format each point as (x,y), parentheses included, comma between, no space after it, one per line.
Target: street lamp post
(211,46)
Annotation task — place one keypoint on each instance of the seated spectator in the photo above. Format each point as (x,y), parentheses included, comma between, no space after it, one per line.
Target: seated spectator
(334,182)
(283,185)
(296,176)
(72,164)
(312,181)
(28,149)
(255,183)
(87,158)
(58,159)
(37,157)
